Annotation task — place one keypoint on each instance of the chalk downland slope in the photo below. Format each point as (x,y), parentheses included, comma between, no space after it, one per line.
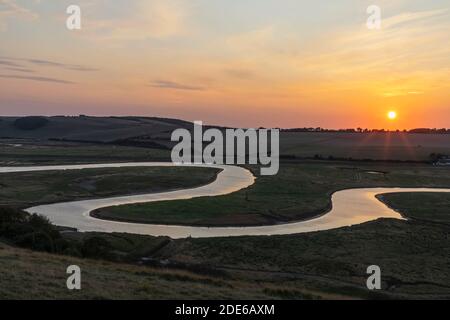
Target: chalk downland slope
(84,128)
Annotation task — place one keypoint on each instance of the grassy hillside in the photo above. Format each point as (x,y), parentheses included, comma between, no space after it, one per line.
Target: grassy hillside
(332,264)
(100,129)
(32,275)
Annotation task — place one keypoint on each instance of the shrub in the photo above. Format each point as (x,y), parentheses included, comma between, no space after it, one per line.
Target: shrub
(30,231)
(35,232)
(11,215)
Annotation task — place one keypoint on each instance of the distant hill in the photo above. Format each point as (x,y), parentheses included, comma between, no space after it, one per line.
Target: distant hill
(153,132)
(89,129)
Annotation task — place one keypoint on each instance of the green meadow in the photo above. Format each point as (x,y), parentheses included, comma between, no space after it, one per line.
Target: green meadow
(25,189)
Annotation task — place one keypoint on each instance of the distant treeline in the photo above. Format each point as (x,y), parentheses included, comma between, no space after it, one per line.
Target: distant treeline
(366,130)
(321,157)
(36,122)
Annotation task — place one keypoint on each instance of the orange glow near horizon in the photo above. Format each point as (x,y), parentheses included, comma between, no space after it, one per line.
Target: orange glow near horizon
(170,58)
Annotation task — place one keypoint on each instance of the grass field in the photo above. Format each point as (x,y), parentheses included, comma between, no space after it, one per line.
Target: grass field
(377,146)
(299,191)
(413,257)
(421,206)
(26,189)
(18,152)
(154,131)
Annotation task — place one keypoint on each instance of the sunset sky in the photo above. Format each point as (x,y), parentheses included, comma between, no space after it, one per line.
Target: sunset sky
(274,63)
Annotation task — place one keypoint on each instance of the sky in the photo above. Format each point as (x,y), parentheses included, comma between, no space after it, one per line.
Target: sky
(249,63)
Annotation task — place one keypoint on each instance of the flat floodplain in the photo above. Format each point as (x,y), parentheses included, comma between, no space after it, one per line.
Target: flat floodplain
(413,254)
(300,191)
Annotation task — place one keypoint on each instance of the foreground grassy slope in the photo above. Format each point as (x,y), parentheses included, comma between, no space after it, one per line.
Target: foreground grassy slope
(23,277)
(33,275)
(25,189)
(332,264)
(299,191)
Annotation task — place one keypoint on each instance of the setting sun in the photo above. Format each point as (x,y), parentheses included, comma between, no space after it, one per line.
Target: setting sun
(392,115)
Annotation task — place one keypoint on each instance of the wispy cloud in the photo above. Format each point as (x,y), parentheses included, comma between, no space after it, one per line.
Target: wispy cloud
(18,69)
(60,65)
(10,9)
(37,78)
(14,62)
(174,85)
(9,63)
(28,65)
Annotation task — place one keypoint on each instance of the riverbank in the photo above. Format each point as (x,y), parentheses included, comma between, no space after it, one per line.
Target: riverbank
(349,207)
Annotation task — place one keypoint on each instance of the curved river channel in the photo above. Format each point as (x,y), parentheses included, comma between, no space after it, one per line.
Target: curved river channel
(351,206)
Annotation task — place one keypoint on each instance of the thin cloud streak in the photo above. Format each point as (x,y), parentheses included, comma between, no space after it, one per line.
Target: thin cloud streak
(47,63)
(60,65)
(19,69)
(9,63)
(37,78)
(163,84)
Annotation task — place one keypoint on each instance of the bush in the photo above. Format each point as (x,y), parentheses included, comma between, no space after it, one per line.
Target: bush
(30,123)
(11,215)
(35,232)
(30,231)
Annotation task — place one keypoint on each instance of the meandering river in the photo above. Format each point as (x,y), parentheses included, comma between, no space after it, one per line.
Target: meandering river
(349,207)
